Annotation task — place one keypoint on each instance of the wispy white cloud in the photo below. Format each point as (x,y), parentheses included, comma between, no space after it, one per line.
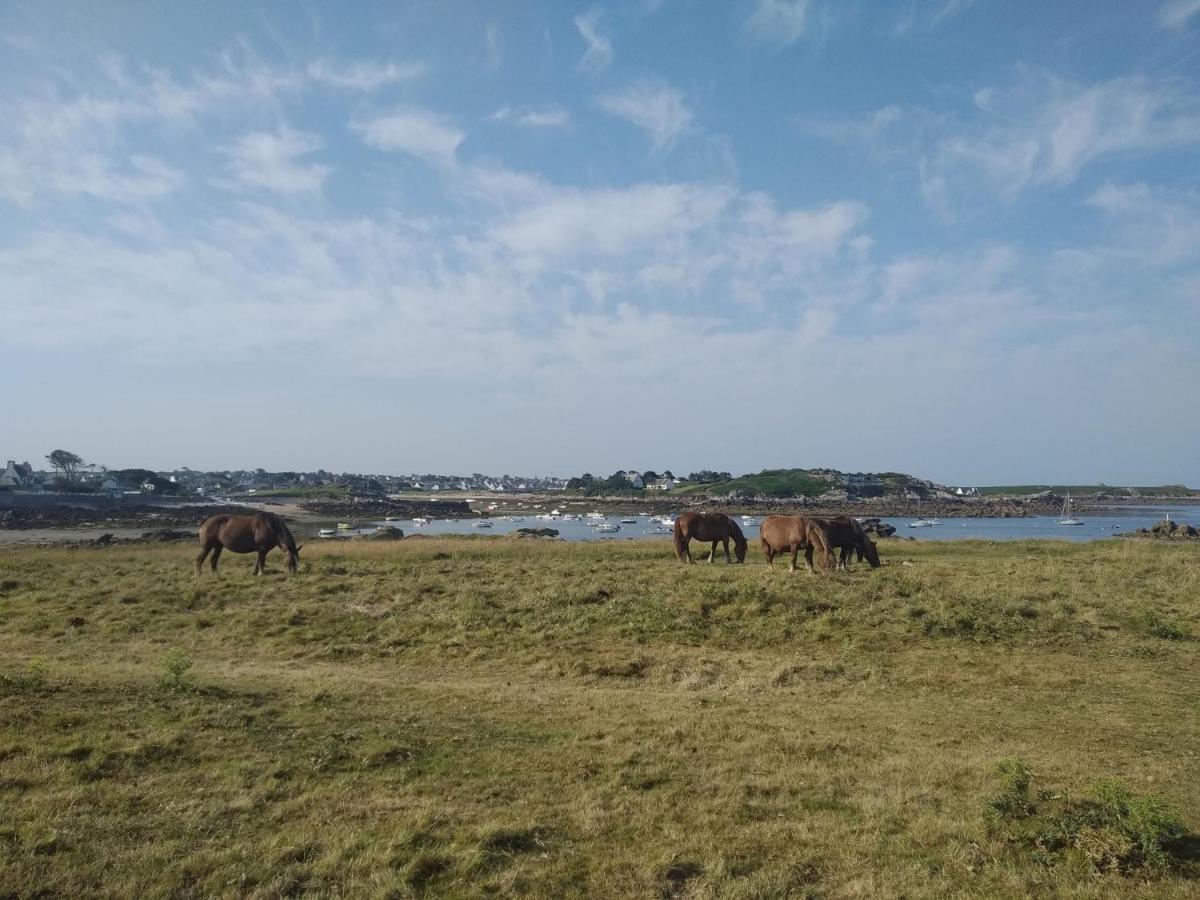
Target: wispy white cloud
(1176,13)
(544,117)
(363,74)
(1154,226)
(423,134)
(777,21)
(268,160)
(927,16)
(599,53)
(608,222)
(1043,131)
(655,107)
(493,43)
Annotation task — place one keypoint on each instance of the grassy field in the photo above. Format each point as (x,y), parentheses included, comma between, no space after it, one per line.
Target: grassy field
(488,716)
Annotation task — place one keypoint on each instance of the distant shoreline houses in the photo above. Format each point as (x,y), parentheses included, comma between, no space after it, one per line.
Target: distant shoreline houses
(17,475)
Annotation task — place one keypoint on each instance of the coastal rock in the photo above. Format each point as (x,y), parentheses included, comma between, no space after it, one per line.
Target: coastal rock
(876,527)
(535,533)
(386,533)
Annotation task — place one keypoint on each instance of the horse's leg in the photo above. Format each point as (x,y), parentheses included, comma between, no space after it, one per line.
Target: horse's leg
(844,559)
(795,552)
(725,544)
(260,567)
(200,558)
(712,554)
(808,552)
(216,554)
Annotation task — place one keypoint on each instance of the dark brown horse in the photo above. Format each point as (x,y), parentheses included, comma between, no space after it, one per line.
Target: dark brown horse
(847,535)
(259,533)
(715,527)
(791,534)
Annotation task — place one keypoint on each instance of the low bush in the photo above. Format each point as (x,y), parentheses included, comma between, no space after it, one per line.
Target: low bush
(1113,829)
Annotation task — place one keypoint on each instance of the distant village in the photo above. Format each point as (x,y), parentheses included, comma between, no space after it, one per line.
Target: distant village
(68,473)
(72,474)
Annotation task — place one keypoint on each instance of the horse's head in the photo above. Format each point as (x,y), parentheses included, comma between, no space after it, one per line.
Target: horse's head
(872,553)
(293,560)
(739,547)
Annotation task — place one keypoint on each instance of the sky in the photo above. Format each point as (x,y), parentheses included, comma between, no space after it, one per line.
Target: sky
(955,238)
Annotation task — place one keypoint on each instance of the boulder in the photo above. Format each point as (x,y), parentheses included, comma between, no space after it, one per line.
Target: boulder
(536,533)
(386,533)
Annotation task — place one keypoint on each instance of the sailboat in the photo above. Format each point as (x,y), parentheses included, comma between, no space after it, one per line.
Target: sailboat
(1067,518)
(922,522)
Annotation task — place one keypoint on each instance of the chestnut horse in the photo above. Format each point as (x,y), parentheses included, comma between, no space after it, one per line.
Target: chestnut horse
(791,534)
(259,533)
(846,534)
(715,527)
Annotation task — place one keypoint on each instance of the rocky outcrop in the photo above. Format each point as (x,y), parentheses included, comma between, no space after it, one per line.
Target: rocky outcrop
(386,533)
(1169,530)
(378,509)
(877,528)
(106,516)
(535,533)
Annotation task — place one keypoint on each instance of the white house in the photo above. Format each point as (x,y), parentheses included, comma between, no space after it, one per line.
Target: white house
(663,484)
(635,478)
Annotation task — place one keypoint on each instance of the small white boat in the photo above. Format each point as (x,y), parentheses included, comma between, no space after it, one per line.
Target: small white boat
(391,518)
(595,515)
(629,521)
(1067,518)
(483,523)
(419,521)
(345,526)
(922,521)
(327,532)
(607,528)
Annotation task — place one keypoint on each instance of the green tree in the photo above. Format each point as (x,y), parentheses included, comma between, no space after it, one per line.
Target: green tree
(66,463)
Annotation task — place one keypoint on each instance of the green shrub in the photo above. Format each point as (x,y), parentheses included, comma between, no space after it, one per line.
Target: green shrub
(1150,622)
(1113,830)
(31,681)
(175,665)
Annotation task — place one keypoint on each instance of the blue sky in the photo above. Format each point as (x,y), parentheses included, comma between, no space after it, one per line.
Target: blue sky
(958,238)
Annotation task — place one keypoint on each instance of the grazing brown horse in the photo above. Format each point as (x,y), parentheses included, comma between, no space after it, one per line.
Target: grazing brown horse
(846,534)
(259,533)
(791,534)
(715,527)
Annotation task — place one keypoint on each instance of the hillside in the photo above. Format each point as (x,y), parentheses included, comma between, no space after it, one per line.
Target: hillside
(808,483)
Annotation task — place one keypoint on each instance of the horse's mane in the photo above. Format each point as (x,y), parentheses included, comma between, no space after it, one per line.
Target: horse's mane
(279,528)
(736,530)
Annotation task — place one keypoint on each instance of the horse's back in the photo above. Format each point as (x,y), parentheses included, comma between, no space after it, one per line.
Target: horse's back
(211,527)
(779,532)
(786,532)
